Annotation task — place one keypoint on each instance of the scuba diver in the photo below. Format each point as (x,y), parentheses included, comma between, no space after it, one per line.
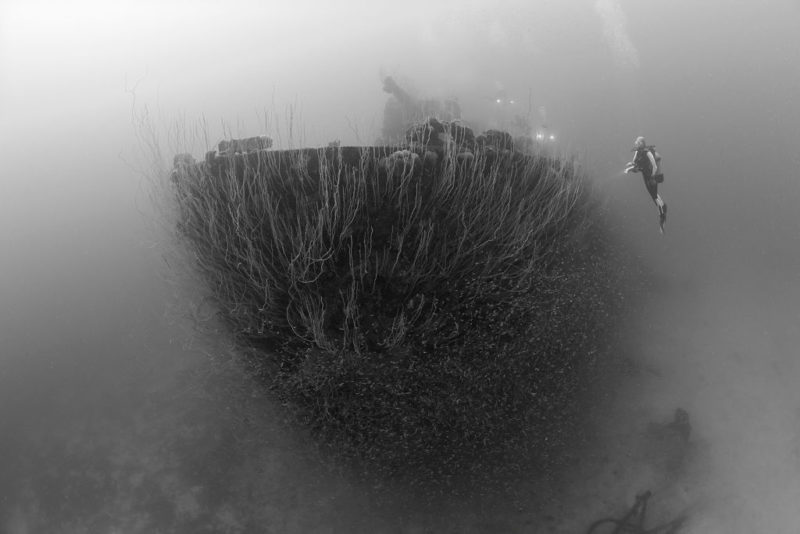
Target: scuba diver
(648,162)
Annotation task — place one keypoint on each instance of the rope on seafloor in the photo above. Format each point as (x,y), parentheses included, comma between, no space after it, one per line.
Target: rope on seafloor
(633,522)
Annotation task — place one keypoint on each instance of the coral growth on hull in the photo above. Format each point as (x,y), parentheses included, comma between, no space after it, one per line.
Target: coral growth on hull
(430,308)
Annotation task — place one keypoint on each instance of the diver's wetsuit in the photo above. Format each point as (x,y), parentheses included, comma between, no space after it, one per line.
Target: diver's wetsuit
(642,163)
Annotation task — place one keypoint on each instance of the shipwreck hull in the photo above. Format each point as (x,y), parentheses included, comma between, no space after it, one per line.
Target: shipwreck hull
(428,306)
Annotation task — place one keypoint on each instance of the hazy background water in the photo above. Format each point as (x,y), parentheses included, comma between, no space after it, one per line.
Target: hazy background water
(97,373)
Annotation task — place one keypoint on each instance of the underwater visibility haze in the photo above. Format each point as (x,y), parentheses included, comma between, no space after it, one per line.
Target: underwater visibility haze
(118,415)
